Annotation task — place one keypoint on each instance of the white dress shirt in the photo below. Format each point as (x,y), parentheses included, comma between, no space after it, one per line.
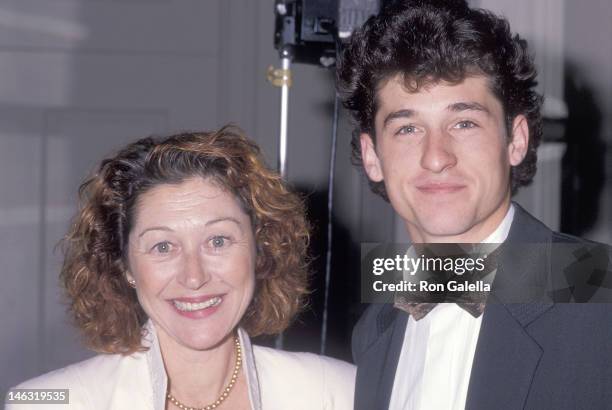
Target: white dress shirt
(435,363)
(276,380)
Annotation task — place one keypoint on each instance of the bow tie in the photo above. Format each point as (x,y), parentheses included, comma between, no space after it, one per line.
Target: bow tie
(419,304)
(419,310)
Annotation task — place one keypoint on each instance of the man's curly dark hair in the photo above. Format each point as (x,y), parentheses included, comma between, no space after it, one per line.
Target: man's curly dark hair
(439,40)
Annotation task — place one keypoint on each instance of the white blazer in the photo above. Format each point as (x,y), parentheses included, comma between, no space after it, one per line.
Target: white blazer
(277,380)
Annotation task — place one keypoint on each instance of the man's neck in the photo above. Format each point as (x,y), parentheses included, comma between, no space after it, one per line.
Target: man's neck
(500,234)
(485,232)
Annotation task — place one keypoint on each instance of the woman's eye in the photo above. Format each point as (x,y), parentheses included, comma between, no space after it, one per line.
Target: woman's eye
(219,241)
(163,247)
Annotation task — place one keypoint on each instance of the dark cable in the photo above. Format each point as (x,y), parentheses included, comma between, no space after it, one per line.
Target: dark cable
(330,201)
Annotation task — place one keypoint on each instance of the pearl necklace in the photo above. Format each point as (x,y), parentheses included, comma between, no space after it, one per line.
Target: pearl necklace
(226,391)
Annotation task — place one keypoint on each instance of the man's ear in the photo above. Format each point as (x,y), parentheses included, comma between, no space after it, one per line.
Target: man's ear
(517,149)
(371,162)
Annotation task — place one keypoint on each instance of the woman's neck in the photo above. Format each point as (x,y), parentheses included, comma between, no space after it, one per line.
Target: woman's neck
(197,378)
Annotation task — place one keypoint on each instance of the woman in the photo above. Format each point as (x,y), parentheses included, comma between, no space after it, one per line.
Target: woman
(182,249)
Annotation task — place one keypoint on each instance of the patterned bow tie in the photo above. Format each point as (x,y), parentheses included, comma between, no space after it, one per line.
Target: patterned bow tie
(419,310)
(419,304)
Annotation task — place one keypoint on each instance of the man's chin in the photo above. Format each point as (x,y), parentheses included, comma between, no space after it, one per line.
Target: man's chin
(448,229)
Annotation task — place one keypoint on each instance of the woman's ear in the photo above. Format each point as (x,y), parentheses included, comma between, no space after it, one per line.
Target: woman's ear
(130,279)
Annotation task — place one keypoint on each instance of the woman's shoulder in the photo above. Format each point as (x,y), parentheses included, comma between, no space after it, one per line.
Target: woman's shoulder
(74,374)
(309,363)
(90,383)
(304,379)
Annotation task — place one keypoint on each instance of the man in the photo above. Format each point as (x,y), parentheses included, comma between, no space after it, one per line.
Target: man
(448,126)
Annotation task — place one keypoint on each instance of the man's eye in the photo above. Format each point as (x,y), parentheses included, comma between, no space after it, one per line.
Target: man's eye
(219,241)
(465,125)
(407,129)
(163,247)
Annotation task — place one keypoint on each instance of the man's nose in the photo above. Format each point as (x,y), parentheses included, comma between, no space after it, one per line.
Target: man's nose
(437,154)
(194,273)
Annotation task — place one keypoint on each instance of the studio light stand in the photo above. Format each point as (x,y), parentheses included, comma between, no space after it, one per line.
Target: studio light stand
(310,32)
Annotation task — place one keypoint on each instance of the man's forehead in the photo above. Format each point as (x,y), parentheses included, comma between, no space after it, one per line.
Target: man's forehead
(397,92)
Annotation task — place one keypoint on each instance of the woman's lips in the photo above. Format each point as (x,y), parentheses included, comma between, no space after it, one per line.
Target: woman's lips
(197,299)
(197,307)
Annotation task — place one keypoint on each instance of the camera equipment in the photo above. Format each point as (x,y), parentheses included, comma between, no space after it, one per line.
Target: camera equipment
(308,30)
(311,32)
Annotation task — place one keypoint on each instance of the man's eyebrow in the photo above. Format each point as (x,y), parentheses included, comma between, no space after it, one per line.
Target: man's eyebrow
(468,106)
(397,114)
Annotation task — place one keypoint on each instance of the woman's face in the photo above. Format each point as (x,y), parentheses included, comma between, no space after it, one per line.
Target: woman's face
(192,254)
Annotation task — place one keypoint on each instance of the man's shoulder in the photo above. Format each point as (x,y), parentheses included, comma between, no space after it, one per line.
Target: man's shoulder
(376,319)
(526,226)
(560,237)
(367,325)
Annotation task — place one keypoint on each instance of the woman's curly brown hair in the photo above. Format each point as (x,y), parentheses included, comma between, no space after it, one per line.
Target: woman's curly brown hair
(101,301)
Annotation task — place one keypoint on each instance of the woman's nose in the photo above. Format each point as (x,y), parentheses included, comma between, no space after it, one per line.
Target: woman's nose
(194,274)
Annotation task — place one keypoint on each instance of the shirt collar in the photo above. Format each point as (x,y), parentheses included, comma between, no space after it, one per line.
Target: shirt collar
(500,234)
(157,370)
(250,370)
(159,378)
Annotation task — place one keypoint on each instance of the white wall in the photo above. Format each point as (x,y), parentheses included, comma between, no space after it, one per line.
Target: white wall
(82,77)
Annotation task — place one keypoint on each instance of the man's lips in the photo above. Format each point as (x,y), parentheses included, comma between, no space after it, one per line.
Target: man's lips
(440,188)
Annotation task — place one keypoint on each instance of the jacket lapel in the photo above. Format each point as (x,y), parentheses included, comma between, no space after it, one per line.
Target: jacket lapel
(506,355)
(505,361)
(373,390)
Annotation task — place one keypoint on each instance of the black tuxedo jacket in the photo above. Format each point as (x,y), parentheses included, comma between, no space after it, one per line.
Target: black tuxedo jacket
(537,356)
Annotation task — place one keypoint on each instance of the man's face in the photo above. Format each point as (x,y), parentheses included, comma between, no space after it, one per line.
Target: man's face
(445,157)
